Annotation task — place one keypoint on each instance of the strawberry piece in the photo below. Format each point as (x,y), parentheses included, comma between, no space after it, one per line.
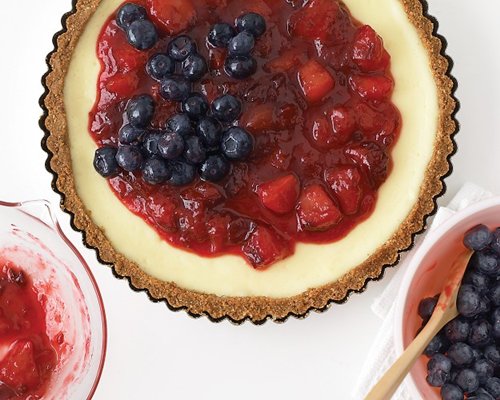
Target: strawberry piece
(322,134)
(315,81)
(285,62)
(122,85)
(368,50)
(317,211)
(164,213)
(314,21)
(343,124)
(18,369)
(173,16)
(344,181)
(259,119)
(208,192)
(372,159)
(265,247)
(369,120)
(217,229)
(280,195)
(128,59)
(372,87)
(239,230)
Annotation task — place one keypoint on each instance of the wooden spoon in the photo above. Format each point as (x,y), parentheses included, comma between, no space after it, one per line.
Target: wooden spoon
(445,311)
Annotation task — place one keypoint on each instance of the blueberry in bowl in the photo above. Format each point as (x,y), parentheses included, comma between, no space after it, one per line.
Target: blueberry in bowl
(470,342)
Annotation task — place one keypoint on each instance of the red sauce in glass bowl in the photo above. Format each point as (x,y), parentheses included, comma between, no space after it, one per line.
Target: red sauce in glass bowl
(319,110)
(27,356)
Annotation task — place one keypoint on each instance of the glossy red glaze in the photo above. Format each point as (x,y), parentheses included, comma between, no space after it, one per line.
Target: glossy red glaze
(320,99)
(27,355)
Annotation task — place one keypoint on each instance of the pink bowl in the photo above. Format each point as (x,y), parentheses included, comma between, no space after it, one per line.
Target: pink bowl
(424,278)
(30,236)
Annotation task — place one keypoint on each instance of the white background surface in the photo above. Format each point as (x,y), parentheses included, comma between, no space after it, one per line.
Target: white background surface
(154,353)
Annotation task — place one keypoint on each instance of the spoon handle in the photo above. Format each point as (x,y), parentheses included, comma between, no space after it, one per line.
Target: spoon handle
(392,379)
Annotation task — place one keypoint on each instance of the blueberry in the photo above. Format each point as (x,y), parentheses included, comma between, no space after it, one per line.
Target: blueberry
(215,168)
(195,152)
(467,380)
(129,134)
(457,330)
(495,243)
(142,34)
(439,369)
(240,67)
(478,238)
(242,44)
(129,13)
(181,124)
(155,171)
(468,301)
(496,330)
(484,305)
(461,354)
(492,386)
(487,263)
(195,106)
(181,47)
(438,344)
(210,132)
(237,144)
(183,173)
(449,391)
(484,370)
(105,161)
(495,315)
(226,108)
(426,307)
(194,67)
(129,158)
(492,354)
(253,23)
(220,35)
(160,66)
(476,354)
(150,143)
(140,111)
(494,294)
(171,145)
(480,333)
(175,88)
(477,279)
(480,394)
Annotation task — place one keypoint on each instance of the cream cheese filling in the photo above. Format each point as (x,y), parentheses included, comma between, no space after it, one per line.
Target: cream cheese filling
(312,265)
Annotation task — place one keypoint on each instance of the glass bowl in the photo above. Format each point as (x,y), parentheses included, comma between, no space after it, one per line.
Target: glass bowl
(30,236)
(424,278)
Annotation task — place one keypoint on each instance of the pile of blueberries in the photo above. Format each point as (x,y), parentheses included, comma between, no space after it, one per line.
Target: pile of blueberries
(240,42)
(192,141)
(201,138)
(465,355)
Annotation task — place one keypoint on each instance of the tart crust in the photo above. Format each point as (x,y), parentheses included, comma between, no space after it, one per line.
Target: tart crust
(239,309)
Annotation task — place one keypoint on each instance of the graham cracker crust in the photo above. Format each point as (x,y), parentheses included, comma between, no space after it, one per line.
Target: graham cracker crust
(239,309)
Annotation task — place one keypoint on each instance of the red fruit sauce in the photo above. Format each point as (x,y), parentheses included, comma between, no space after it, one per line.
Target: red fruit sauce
(27,355)
(320,101)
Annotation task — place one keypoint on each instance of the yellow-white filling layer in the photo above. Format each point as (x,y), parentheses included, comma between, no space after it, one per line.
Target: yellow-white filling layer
(312,265)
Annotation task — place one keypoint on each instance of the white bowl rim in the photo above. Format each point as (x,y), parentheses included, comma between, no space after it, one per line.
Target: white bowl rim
(414,264)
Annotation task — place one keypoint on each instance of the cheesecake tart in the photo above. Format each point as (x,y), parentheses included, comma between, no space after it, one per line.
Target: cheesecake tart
(249,160)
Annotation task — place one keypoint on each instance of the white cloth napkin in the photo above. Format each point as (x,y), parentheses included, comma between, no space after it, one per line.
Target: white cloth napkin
(383,354)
